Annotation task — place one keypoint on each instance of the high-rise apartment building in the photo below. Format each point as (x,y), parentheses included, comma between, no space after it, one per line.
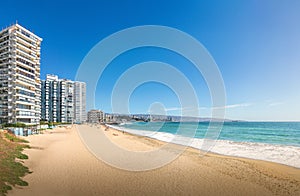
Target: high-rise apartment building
(80,115)
(20,85)
(49,100)
(63,100)
(66,101)
(57,99)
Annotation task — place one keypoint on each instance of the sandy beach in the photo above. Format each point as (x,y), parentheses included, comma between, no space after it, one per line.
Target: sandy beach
(62,165)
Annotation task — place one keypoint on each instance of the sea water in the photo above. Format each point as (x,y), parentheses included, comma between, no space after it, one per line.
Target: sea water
(270,141)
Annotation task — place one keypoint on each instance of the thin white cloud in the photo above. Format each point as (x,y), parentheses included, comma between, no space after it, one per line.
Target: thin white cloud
(173,109)
(240,105)
(275,103)
(181,109)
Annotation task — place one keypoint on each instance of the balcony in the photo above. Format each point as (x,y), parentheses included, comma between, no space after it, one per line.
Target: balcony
(25,37)
(25,42)
(28,56)
(25,78)
(25,64)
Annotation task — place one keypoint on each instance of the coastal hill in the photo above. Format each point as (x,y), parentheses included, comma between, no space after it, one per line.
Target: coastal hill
(169,118)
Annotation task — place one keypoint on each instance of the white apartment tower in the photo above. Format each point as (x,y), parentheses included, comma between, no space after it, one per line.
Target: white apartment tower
(66,105)
(80,115)
(63,100)
(20,83)
(50,96)
(57,99)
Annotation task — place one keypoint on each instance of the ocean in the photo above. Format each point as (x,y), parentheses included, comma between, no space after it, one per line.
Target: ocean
(270,141)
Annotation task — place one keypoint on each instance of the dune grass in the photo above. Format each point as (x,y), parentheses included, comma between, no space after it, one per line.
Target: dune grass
(13,138)
(11,169)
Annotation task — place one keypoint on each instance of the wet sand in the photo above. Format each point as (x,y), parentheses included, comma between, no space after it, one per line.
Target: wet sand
(62,165)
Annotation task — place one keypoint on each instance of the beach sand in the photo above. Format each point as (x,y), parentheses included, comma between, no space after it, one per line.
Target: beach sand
(62,165)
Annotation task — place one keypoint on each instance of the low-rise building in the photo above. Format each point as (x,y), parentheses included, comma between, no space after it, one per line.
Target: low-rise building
(95,116)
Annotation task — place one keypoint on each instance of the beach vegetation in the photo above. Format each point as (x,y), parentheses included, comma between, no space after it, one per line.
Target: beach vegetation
(11,168)
(13,138)
(22,125)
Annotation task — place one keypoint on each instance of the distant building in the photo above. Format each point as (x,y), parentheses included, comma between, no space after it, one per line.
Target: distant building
(95,116)
(102,116)
(63,100)
(20,94)
(110,118)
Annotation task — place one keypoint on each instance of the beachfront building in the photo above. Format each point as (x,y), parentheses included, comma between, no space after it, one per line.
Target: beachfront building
(102,116)
(66,101)
(110,118)
(20,85)
(80,102)
(57,99)
(49,99)
(93,116)
(63,100)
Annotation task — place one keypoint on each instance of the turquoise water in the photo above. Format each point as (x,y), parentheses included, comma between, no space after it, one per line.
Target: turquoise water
(282,133)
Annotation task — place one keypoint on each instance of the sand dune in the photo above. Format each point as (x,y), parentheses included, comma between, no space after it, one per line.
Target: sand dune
(62,165)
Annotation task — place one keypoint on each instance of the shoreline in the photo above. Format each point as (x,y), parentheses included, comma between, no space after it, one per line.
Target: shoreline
(209,152)
(292,164)
(62,164)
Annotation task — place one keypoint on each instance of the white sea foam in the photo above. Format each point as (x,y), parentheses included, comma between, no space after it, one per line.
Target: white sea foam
(287,155)
(125,123)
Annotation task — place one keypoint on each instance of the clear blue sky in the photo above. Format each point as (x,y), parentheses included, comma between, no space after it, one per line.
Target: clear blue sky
(256,45)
